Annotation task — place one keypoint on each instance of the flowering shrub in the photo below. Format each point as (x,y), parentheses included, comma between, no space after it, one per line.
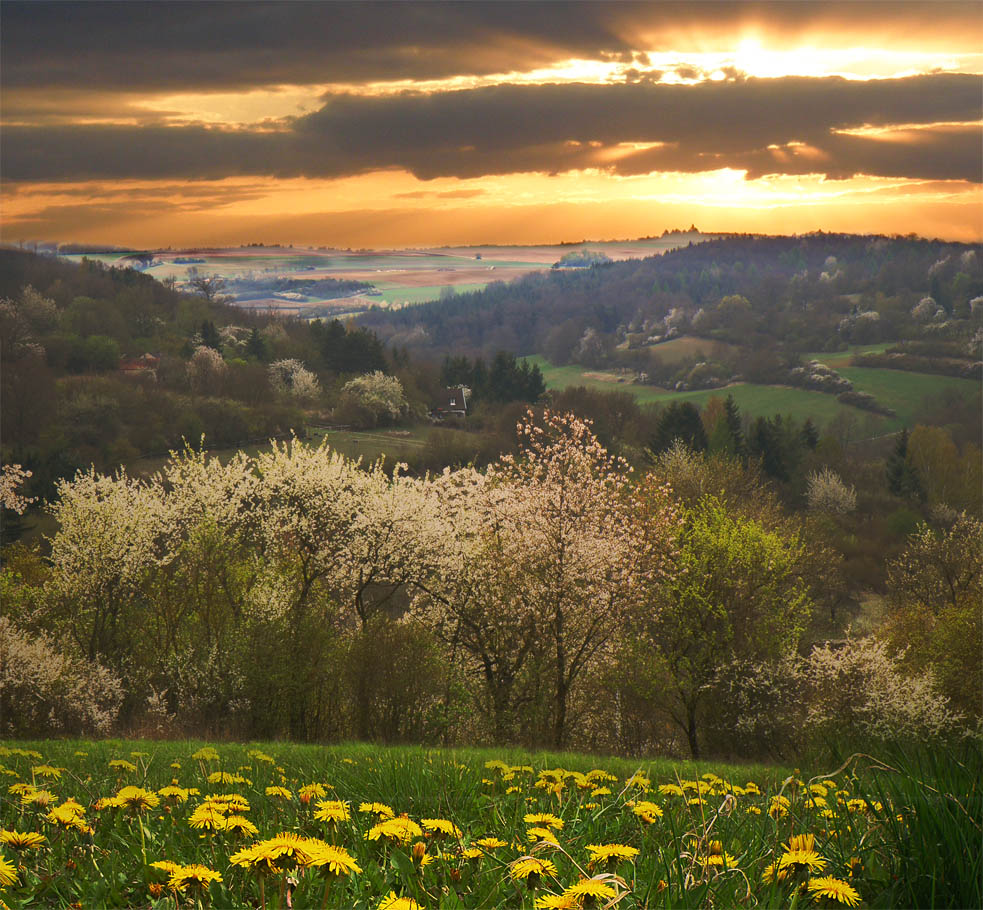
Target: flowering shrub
(372,400)
(826,492)
(860,688)
(291,378)
(42,690)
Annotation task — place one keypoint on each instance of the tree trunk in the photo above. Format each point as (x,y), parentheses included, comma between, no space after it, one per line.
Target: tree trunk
(694,744)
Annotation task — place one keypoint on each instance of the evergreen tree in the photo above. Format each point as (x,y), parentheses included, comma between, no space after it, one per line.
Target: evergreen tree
(732,418)
(256,346)
(209,335)
(681,420)
(810,435)
(902,475)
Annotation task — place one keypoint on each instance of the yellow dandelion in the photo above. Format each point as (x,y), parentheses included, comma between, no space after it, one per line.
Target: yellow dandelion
(279,792)
(195,878)
(557,902)
(399,830)
(174,794)
(544,818)
(491,843)
(22,840)
(47,771)
(329,859)
(541,835)
(381,810)
(833,889)
(205,754)
(611,853)
(332,811)
(392,901)
(590,890)
(8,873)
(239,824)
(531,869)
(441,826)
(136,799)
(121,764)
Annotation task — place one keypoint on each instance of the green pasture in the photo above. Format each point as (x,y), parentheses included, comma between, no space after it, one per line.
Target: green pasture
(756,400)
(903,391)
(405,294)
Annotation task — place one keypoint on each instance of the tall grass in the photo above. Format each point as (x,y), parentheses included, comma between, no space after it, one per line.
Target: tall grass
(932,817)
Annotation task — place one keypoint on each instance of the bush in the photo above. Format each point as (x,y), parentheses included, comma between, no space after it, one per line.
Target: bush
(44,691)
(860,689)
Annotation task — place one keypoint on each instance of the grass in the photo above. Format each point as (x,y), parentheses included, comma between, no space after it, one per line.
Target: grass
(408,294)
(905,392)
(693,850)
(677,350)
(756,400)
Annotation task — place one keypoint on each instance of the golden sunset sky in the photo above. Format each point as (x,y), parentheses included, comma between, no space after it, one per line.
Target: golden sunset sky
(418,124)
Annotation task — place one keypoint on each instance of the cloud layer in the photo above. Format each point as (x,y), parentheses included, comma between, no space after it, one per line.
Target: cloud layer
(792,126)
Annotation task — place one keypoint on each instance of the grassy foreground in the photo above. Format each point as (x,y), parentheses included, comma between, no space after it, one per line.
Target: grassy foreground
(155,824)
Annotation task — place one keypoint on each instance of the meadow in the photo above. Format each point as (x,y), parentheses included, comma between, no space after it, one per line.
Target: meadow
(169,824)
(753,399)
(902,391)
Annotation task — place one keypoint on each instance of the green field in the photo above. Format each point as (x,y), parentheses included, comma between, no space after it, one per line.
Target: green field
(399,294)
(678,350)
(756,400)
(904,392)
(159,824)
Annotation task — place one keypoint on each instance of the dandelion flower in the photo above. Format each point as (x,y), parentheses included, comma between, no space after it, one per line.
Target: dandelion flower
(833,889)
(206,754)
(195,877)
(47,771)
(332,811)
(380,810)
(22,840)
(611,853)
(279,793)
(490,843)
(541,835)
(399,830)
(531,868)
(557,902)
(137,799)
(544,818)
(393,901)
(8,873)
(121,764)
(441,826)
(590,890)
(330,859)
(239,824)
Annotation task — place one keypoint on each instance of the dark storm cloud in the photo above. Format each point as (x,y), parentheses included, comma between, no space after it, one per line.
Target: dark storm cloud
(200,46)
(552,128)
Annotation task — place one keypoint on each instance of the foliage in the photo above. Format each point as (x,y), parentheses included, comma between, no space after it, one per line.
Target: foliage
(735,591)
(44,690)
(860,689)
(936,589)
(827,493)
(373,399)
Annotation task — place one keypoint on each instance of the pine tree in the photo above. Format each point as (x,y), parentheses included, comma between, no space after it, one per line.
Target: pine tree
(732,417)
(902,475)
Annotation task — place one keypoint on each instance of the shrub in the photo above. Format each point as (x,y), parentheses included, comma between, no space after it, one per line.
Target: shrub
(860,689)
(826,492)
(45,691)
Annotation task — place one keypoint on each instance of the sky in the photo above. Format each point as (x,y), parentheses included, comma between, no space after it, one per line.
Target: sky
(416,124)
